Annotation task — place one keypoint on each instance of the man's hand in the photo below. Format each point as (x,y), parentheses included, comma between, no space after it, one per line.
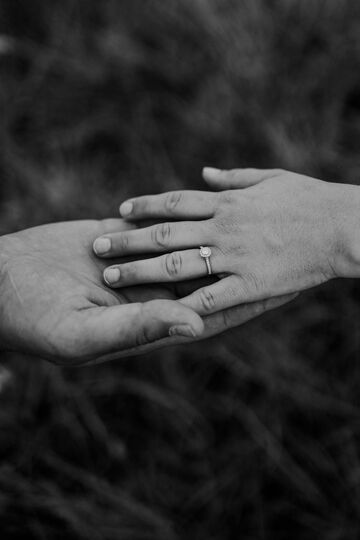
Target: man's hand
(53,302)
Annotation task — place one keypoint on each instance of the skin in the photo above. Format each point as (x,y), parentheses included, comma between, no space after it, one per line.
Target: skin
(54,303)
(271,233)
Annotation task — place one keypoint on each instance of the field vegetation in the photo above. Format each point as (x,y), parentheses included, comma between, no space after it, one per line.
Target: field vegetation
(254,435)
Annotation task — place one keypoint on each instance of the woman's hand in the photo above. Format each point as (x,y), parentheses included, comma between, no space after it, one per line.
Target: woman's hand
(283,233)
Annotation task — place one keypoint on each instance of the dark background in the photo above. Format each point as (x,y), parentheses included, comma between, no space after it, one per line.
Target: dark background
(253,435)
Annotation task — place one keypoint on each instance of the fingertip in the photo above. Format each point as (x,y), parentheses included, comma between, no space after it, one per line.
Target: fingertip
(184,330)
(211,173)
(126,209)
(187,316)
(111,276)
(176,314)
(101,246)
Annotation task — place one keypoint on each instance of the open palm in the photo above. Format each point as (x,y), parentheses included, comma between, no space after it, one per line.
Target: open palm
(54,304)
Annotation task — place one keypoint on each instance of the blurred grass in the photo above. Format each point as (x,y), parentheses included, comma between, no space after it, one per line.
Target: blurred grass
(254,435)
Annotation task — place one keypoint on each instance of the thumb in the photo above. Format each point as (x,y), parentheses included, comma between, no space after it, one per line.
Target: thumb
(220,179)
(117,328)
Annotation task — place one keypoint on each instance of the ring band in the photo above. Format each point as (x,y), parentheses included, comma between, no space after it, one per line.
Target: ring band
(205,253)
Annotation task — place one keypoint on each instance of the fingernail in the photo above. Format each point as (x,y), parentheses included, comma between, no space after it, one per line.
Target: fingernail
(111,275)
(182,330)
(102,245)
(126,208)
(211,172)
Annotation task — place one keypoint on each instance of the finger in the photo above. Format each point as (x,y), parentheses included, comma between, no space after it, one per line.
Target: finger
(175,266)
(173,205)
(238,315)
(214,325)
(117,328)
(184,288)
(236,178)
(111,225)
(157,238)
(227,292)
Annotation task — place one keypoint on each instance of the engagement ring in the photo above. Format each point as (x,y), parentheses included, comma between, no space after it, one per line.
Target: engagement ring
(205,253)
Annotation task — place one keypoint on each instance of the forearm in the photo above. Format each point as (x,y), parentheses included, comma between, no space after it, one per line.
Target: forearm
(5,338)
(346,216)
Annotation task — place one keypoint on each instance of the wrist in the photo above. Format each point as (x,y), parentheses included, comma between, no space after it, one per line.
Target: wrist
(346,216)
(4,259)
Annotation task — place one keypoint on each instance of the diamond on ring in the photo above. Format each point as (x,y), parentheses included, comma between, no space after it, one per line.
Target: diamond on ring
(205,253)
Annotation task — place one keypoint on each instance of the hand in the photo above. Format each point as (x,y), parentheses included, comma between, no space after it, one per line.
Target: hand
(54,304)
(283,233)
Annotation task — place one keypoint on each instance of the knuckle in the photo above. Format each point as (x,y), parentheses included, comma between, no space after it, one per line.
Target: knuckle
(226,197)
(221,226)
(261,306)
(145,333)
(207,300)
(143,337)
(123,242)
(252,284)
(173,264)
(161,235)
(251,171)
(258,308)
(227,321)
(272,173)
(234,174)
(278,172)
(172,200)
